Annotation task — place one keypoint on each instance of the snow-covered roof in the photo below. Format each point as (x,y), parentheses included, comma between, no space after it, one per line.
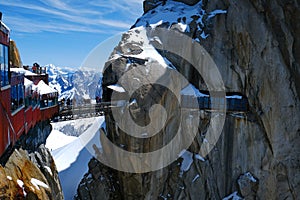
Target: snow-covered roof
(5,26)
(23,71)
(43,88)
(28,83)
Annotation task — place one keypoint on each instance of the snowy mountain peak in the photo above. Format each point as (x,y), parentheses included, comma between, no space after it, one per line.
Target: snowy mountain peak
(79,84)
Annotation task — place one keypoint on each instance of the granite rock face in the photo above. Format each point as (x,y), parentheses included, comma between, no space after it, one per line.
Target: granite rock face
(14,55)
(29,172)
(30,176)
(255,45)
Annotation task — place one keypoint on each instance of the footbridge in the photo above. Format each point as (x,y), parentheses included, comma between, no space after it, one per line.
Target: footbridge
(234,104)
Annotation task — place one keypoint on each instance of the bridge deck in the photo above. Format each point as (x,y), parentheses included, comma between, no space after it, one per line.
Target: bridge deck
(233,105)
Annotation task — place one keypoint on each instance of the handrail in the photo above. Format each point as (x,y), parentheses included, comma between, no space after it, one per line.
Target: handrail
(44,108)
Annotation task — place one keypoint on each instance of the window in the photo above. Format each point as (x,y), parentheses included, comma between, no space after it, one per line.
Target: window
(4,65)
(17,96)
(14,98)
(21,94)
(28,101)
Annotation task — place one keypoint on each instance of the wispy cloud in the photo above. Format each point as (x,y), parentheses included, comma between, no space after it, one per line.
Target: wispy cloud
(96,16)
(26,26)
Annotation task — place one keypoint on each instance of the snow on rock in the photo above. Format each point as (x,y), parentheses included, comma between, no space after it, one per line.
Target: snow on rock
(234,97)
(198,157)
(116,87)
(216,12)
(191,90)
(48,170)
(68,94)
(233,196)
(21,185)
(195,178)
(170,12)
(38,183)
(187,160)
(177,15)
(250,177)
(132,102)
(139,36)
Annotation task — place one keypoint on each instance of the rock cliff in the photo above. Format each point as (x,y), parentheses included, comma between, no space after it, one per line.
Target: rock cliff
(14,55)
(30,172)
(30,176)
(255,45)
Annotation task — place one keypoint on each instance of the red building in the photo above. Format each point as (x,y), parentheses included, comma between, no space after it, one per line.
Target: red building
(23,99)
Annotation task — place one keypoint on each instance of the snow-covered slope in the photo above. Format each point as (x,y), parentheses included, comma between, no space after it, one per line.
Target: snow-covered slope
(71,153)
(78,84)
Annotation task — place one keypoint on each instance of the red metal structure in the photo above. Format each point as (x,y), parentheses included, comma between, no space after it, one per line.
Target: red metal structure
(21,105)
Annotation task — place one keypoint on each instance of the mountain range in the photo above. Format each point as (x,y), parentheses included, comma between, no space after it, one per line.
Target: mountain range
(80,85)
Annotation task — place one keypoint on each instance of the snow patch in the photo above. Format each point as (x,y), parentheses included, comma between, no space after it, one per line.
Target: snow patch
(195,178)
(149,52)
(204,35)
(156,24)
(250,177)
(38,183)
(21,185)
(198,157)
(191,90)
(183,27)
(233,196)
(234,97)
(187,160)
(132,102)
(170,12)
(117,88)
(48,170)
(216,12)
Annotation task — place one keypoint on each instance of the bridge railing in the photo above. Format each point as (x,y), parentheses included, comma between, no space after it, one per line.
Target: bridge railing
(189,102)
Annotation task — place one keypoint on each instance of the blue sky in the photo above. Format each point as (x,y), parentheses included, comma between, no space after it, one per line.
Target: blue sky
(63,32)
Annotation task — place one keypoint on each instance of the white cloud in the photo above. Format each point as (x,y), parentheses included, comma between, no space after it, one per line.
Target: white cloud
(26,26)
(96,16)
